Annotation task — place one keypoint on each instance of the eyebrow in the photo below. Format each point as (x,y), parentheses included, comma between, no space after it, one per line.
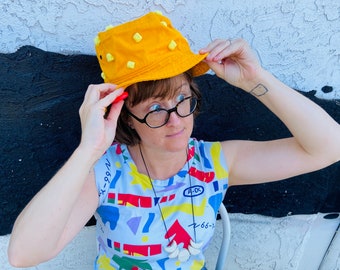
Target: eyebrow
(181,86)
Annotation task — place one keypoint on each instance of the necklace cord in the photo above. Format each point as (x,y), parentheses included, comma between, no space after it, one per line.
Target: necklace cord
(154,191)
(192,200)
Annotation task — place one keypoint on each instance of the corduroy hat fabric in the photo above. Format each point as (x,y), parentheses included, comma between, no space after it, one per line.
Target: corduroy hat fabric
(148,48)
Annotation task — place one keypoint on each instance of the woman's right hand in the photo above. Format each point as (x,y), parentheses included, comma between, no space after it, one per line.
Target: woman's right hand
(98,132)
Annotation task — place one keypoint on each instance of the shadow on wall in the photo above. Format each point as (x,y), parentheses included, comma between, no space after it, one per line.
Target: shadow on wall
(41,92)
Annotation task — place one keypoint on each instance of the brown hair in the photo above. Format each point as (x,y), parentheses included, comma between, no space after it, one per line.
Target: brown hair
(139,92)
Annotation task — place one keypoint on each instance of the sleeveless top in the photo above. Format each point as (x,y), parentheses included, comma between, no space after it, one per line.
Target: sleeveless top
(131,232)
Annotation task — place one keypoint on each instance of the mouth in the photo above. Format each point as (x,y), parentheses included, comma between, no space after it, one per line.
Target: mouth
(176,133)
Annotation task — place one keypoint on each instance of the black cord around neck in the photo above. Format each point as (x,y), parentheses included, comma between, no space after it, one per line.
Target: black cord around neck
(154,191)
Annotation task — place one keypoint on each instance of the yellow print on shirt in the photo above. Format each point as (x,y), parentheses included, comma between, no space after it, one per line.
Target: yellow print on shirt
(185,208)
(104,263)
(138,178)
(215,151)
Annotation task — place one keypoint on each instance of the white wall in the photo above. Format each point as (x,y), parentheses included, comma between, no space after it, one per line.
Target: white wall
(297,40)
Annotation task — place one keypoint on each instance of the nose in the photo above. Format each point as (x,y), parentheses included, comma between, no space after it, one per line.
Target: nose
(174,118)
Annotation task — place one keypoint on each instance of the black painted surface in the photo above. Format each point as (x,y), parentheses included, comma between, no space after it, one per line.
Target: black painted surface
(229,113)
(40,94)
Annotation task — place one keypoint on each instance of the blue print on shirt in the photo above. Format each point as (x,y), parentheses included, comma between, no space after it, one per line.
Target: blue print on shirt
(109,214)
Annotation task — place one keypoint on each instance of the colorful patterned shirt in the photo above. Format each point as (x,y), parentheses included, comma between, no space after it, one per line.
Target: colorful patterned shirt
(131,232)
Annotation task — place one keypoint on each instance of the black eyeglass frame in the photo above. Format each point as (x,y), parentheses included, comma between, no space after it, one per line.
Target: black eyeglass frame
(169,111)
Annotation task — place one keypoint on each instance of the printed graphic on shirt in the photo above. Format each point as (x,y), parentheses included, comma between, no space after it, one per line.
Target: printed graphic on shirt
(134,225)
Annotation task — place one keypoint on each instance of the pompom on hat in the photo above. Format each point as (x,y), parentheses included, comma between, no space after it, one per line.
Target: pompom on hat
(145,49)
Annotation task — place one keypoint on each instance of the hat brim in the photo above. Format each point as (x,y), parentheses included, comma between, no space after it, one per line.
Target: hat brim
(167,68)
(199,69)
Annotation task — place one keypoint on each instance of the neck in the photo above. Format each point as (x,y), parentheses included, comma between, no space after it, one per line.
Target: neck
(159,164)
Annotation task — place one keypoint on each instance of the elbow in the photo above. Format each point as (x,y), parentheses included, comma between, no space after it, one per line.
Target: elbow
(17,263)
(20,256)
(17,257)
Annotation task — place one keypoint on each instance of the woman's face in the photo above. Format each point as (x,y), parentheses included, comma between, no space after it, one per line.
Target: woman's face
(174,135)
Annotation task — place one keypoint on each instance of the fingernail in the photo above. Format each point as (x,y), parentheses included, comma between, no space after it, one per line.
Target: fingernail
(123,96)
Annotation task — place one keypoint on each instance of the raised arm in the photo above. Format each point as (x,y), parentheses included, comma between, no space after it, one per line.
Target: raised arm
(59,211)
(316,136)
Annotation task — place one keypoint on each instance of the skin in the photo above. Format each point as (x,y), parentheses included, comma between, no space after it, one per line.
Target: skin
(314,145)
(172,140)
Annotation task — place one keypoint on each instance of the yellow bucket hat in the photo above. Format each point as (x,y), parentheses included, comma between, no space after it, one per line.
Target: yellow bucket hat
(148,48)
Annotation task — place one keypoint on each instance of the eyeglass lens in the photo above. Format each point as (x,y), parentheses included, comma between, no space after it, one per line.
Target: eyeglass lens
(160,117)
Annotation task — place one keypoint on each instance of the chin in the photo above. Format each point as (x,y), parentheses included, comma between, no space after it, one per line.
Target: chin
(178,144)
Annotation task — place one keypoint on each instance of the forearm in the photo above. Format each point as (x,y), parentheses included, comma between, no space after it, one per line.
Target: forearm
(40,225)
(315,131)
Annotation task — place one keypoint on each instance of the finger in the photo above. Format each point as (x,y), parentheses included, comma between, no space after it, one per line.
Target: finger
(109,98)
(234,49)
(221,50)
(113,114)
(117,99)
(215,47)
(96,92)
(221,54)
(217,67)
(100,96)
(123,96)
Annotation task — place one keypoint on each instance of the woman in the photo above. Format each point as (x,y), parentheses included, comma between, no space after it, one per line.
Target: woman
(155,191)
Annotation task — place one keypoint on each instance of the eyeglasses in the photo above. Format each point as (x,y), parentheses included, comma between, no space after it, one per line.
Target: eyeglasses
(159,117)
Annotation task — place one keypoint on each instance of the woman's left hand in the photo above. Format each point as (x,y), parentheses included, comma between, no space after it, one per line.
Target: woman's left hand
(234,61)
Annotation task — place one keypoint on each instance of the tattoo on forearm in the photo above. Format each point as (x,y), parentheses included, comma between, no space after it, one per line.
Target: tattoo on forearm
(259,90)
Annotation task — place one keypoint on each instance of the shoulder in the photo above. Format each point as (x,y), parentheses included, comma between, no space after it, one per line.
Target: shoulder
(115,153)
(210,153)
(106,170)
(205,148)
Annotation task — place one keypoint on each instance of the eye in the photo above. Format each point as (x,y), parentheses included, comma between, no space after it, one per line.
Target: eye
(154,107)
(180,97)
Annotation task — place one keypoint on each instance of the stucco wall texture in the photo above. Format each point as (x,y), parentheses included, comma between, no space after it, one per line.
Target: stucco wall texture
(297,40)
